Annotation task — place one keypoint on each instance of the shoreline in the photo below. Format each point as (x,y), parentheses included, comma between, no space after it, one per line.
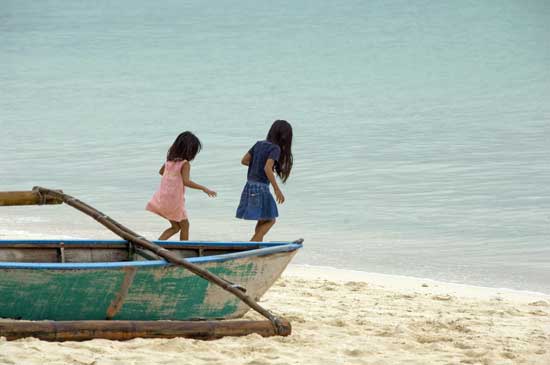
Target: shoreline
(404,282)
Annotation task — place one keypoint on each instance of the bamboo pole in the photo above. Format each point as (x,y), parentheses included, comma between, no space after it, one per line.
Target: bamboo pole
(133,237)
(8,198)
(126,330)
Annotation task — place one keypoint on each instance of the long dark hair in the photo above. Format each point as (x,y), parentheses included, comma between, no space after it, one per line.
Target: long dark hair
(280,134)
(185,147)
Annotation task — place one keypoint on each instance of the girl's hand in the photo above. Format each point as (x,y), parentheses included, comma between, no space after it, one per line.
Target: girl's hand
(279,195)
(210,193)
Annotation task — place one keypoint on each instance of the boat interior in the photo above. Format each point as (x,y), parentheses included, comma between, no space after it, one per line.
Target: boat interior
(84,251)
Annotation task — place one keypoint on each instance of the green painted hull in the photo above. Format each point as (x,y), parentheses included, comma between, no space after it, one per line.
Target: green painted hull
(134,292)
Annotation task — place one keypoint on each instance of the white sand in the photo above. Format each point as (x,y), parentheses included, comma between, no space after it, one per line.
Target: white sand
(346,317)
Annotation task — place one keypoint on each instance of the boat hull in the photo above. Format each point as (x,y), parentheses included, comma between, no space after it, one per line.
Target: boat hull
(137,290)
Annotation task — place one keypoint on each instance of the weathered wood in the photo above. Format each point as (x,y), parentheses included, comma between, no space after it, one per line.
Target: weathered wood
(95,255)
(173,246)
(53,254)
(129,235)
(46,246)
(126,330)
(29,252)
(26,198)
(216,249)
(28,255)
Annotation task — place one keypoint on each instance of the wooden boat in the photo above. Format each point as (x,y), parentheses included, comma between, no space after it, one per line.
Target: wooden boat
(115,288)
(96,280)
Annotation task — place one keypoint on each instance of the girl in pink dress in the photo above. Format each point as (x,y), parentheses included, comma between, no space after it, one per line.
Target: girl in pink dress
(169,200)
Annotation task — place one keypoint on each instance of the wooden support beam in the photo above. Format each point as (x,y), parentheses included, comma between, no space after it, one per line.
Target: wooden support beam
(26,198)
(61,252)
(126,330)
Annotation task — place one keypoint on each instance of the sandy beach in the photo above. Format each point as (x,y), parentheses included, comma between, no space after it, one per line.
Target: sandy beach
(403,137)
(346,317)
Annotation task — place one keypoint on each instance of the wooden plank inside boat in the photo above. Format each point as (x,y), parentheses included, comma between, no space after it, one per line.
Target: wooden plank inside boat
(80,251)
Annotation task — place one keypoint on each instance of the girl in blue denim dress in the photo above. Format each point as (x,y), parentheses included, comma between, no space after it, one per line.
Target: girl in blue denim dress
(264,159)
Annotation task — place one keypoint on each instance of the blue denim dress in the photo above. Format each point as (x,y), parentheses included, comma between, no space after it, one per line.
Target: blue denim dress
(257,203)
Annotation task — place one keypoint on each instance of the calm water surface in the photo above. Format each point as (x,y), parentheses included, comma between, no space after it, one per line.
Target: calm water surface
(422,129)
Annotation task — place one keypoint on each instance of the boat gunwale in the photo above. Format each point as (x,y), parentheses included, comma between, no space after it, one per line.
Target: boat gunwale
(267,249)
(158,242)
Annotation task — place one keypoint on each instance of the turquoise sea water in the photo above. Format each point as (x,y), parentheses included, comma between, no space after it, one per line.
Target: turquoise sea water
(422,129)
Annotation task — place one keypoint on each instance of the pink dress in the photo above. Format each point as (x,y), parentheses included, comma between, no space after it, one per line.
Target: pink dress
(169,200)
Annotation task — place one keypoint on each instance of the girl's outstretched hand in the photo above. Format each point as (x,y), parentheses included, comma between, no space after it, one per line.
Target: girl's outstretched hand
(280,197)
(210,193)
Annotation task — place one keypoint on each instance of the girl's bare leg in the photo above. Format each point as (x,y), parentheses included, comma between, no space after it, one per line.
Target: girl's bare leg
(184,233)
(262,227)
(170,231)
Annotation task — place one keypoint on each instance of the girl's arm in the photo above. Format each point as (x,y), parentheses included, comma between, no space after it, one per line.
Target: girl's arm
(161,171)
(246,159)
(185,173)
(271,176)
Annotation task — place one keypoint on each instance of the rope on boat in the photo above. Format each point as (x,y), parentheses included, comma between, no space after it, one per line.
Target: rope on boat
(41,197)
(139,240)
